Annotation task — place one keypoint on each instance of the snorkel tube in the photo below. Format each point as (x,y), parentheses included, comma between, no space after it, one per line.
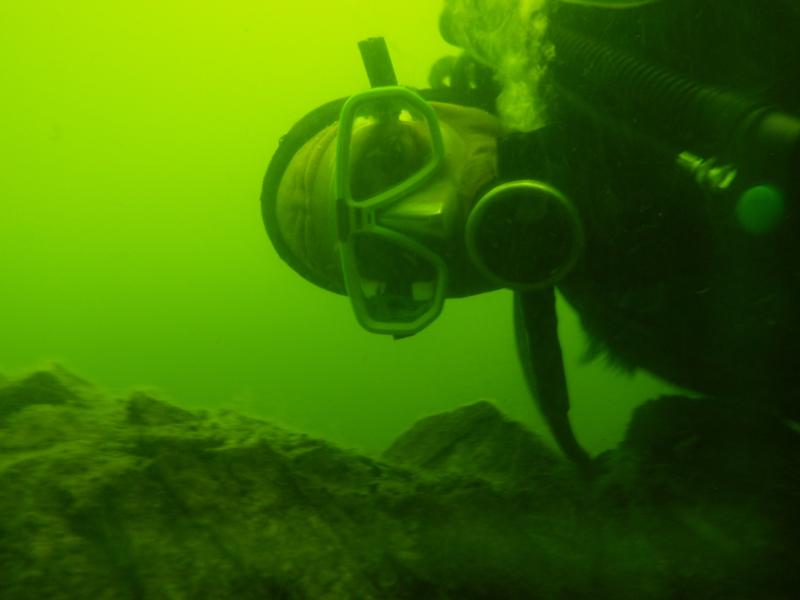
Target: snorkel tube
(377,62)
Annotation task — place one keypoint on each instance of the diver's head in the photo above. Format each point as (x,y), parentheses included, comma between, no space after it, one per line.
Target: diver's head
(396,199)
(374,196)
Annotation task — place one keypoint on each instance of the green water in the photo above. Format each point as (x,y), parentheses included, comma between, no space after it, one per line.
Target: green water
(134,140)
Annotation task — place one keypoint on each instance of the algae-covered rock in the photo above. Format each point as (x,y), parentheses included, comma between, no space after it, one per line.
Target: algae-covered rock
(40,388)
(476,440)
(136,498)
(703,497)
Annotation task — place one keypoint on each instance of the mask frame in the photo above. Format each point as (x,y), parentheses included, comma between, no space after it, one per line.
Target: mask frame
(362,217)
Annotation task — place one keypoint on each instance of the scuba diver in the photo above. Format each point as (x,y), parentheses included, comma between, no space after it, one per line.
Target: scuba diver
(658,192)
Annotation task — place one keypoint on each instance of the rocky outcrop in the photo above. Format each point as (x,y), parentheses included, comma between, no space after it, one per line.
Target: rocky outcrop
(136,498)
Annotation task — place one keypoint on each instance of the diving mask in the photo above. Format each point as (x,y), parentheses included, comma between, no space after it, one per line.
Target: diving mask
(389,146)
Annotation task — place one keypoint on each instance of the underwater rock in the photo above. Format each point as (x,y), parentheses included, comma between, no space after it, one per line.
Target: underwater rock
(136,498)
(479,441)
(143,409)
(702,496)
(40,388)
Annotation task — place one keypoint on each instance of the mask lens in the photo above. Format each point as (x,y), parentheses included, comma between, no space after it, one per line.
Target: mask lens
(390,142)
(397,284)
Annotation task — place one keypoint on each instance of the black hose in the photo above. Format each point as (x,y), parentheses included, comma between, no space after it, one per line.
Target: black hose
(703,118)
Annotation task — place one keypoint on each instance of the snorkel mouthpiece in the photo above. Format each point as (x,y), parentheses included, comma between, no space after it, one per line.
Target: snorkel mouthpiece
(524,235)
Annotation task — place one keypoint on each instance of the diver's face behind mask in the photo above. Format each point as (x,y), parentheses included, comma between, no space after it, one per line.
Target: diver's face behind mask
(401,208)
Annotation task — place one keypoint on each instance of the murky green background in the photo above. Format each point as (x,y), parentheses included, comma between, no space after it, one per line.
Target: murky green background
(134,140)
